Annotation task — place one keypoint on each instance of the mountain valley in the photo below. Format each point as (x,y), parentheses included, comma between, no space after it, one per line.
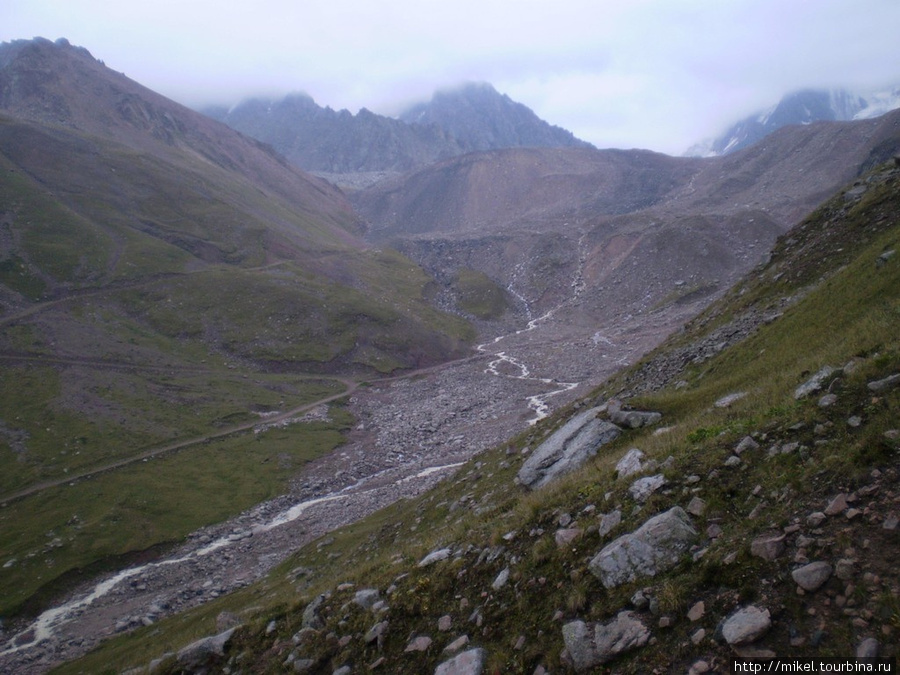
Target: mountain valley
(233,390)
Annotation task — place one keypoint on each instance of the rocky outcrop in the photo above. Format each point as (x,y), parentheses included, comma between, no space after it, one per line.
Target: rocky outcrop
(633,419)
(654,547)
(567,449)
(589,645)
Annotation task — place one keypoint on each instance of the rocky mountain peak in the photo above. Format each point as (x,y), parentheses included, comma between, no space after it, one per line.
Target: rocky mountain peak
(482,118)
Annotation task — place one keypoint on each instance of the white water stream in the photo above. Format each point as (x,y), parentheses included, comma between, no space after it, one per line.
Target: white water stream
(538,402)
(46,624)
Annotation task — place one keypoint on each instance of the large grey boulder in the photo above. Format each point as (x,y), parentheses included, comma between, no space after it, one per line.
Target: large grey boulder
(590,645)
(567,449)
(655,546)
(470,662)
(197,653)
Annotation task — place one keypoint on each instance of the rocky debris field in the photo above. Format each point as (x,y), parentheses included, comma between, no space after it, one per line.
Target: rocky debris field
(759,571)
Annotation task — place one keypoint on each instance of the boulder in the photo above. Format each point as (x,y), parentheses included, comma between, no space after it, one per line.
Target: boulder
(470,662)
(590,645)
(655,546)
(633,419)
(197,653)
(567,449)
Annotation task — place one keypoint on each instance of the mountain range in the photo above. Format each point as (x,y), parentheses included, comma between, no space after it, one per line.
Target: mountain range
(471,118)
(802,107)
(200,341)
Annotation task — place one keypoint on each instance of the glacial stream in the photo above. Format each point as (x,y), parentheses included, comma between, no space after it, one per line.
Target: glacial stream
(44,627)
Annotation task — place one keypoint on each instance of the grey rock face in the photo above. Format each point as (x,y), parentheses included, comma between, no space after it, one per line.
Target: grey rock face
(590,645)
(568,448)
(746,625)
(655,546)
(470,662)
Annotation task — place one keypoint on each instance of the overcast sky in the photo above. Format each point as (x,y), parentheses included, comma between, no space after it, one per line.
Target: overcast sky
(656,74)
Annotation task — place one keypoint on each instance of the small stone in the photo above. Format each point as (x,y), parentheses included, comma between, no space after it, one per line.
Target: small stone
(746,443)
(892,522)
(728,400)
(828,400)
(520,644)
(868,649)
(854,421)
(768,546)
(501,580)
(836,505)
(631,463)
(270,628)
(733,460)
(608,522)
(746,625)
(696,507)
(376,632)
(887,383)
(445,623)
(815,383)
(366,598)
(714,531)
(642,488)
(815,519)
(418,644)
(811,577)
(699,668)
(470,662)
(565,537)
(639,600)
(698,636)
(435,556)
(696,612)
(845,569)
(457,644)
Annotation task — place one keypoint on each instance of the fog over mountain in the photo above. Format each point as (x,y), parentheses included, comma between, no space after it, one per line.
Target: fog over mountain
(803,107)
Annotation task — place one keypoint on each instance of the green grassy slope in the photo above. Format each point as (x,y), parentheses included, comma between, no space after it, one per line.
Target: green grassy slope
(150,300)
(837,291)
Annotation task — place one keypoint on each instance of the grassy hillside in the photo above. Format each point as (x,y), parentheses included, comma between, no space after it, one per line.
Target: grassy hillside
(159,304)
(829,296)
